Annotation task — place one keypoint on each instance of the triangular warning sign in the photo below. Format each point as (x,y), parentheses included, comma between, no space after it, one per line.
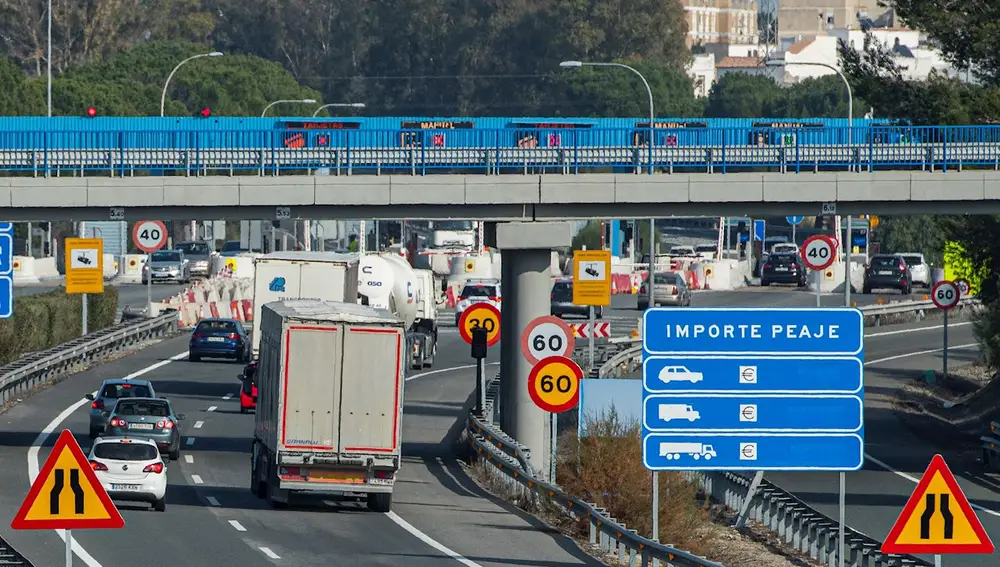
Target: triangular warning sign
(66,495)
(937,519)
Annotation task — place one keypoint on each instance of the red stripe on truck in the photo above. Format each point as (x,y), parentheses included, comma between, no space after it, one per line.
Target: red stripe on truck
(395,408)
(284,406)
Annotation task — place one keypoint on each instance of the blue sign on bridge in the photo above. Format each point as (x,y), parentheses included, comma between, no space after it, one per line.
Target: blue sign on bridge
(753,389)
(6,270)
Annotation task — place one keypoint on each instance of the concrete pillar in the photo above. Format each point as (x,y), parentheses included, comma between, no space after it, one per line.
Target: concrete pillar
(527,284)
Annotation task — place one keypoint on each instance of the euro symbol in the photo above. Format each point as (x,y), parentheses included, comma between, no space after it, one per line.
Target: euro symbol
(748,451)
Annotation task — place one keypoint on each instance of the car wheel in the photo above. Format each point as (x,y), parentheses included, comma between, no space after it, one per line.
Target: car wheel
(867,290)
(380,502)
(94,433)
(175,455)
(764,283)
(243,410)
(905,290)
(160,505)
(192,357)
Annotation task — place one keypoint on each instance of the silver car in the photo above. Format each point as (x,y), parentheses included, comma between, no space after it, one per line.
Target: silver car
(108,394)
(199,255)
(166,266)
(669,288)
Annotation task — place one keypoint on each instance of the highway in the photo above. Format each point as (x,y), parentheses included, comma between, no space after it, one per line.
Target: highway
(212,519)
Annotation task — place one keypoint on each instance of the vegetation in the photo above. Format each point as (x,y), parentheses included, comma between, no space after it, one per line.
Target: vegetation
(45,320)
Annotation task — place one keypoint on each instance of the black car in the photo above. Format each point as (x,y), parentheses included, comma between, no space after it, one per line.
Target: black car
(888,271)
(562,302)
(783,268)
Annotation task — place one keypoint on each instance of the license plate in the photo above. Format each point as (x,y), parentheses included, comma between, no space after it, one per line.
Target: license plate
(380,481)
(216,339)
(885,273)
(781,269)
(125,487)
(144,426)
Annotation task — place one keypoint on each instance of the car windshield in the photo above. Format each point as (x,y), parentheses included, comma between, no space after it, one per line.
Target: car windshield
(125,391)
(680,251)
(913,260)
(479,291)
(216,327)
(665,279)
(148,407)
(706,248)
(125,451)
(194,248)
(562,290)
(884,262)
(452,225)
(166,256)
(782,259)
(231,246)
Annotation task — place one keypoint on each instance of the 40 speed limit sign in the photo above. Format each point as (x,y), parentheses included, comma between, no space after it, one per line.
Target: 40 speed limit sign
(554,384)
(546,336)
(946,294)
(149,235)
(819,252)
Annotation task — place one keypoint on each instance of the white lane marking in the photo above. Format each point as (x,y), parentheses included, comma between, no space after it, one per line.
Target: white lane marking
(267,551)
(33,464)
(197,479)
(198,424)
(189,441)
(443,370)
(188,458)
(916,330)
(237,526)
(428,539)
(227,396)
(213,408)
(893,470)
(212,500)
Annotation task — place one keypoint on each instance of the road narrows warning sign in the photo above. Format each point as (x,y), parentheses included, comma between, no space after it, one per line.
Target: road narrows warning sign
(66,495)
(938,519)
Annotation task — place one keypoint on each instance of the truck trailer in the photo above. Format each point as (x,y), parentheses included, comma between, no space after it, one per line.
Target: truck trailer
(329,402)
(388,282)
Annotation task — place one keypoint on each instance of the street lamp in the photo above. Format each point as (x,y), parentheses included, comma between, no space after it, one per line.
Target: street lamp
(652,222)
(296,101)
(340,105)
(166,85)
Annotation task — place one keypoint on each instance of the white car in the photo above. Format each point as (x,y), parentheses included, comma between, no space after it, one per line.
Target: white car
(130,469)
(478,291)
(683,251)
(784,248)
(679,374)
(920,272)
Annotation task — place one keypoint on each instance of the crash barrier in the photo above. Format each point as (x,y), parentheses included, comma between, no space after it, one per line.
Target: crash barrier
(510,465)
(991,447)
(229,298)
(27,269)
(701,275)
(240,266)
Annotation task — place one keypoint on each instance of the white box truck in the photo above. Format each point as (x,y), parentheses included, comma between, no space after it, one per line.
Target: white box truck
(297,275)
(388,282)
(329,402)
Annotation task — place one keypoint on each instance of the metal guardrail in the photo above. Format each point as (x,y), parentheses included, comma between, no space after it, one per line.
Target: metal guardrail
(515,150)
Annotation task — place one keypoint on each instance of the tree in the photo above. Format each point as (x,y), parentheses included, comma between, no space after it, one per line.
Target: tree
(589,237)
(618,92)
(742,95)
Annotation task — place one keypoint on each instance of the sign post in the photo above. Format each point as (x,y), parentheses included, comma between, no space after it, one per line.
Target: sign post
(554,386)
(479,326)
(819,253)
(66,495)
(945,294)
(592,285)
(84,269)
(775,389)
(149,236)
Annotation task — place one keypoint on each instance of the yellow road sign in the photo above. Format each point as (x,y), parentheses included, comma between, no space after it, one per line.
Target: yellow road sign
(592,277)
(470,266)
(554,384)
(937,519)
(873,222)
(66,495)
(84,265)
(483,315)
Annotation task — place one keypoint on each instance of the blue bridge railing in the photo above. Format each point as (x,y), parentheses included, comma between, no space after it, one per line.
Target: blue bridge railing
(504,150)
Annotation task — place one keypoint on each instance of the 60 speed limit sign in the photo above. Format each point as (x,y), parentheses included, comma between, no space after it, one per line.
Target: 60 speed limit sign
(946,294)
(546,336)
(149,235)
(819,252)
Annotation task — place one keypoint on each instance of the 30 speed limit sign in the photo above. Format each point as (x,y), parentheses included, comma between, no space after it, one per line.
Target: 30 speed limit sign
(819,252)
(149,235)
(546,336)
(945,294)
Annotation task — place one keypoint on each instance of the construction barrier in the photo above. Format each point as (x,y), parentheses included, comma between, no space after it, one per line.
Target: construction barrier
(233,266)
(228,298)
(130,267)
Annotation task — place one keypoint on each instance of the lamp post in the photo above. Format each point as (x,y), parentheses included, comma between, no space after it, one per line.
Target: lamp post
(652,115)
(287,101)
(339,105)
(166,84)
(48,71)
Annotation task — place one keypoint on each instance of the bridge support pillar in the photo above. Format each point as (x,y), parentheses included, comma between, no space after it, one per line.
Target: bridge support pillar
(526,249)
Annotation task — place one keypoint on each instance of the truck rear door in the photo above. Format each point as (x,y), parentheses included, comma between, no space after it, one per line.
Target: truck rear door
(372,394)
(312,400)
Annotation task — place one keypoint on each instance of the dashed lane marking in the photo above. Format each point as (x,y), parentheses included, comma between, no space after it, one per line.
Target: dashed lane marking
(213,408)
(212,500)
(227,396)
(198,424)
(189,441)
(188,459)
(267,551)
(237,526)
(197,479)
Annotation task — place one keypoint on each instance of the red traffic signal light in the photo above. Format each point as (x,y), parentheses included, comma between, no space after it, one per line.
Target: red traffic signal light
(91,112)
(206,112)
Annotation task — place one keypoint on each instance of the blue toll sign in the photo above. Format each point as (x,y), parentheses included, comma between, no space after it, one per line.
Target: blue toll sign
(775,412)
(753,375)
(6,275)
(753,451)
(6,227)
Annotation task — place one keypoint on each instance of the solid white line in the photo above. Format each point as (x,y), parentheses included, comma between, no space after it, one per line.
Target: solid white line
(443,370)
(227,396)
(188,458)
(237,526)
(918,353)
(33,464)
(428,539)
(213,408)
(916,330)
(267,551)
(189,441)
(198,424)
(212,500)
(197,479)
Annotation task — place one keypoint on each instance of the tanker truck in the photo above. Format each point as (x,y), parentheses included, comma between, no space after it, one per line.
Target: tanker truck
(388,282)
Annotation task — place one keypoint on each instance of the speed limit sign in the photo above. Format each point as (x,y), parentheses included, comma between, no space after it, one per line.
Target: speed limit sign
(963,286)
(149,235)
(546,336)
(818,252)
(945,294)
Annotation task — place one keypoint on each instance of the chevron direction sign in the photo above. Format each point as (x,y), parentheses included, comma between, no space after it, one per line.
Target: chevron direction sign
(601,330)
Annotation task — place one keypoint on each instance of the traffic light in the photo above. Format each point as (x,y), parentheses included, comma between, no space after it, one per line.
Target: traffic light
(205,112)
(91,112)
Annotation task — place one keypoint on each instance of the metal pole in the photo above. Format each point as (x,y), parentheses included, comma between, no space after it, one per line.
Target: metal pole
(848,242)
(149,287)
(937,561)
(83,323)
(652,262)
(793,234)
(166,84)
(69,548)
(656,506)
(553,443)
(590,340)
(48,87)
(28,241)
(944,358)
(819,299)
(480,388)
(843,513)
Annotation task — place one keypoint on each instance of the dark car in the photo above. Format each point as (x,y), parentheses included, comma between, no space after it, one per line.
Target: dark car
(888,271)
(562,302)
(219,338)
(148,418)
(785,269)
(109,393)
(248,389)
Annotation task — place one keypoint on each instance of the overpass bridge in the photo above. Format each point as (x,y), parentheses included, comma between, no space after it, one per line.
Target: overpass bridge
(494,169)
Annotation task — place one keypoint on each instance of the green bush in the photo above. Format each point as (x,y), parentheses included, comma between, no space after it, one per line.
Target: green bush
(45,320)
